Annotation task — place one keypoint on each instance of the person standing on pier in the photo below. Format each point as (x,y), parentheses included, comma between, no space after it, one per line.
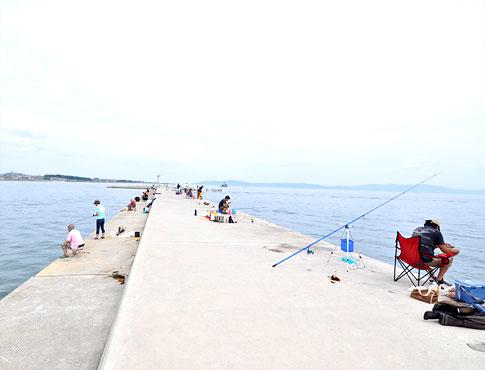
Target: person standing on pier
(199,192)
(100,214)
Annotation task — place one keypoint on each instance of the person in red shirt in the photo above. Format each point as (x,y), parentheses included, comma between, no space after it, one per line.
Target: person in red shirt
(132,205)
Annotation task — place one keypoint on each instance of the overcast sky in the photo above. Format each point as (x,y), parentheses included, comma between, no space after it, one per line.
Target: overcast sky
(328,92)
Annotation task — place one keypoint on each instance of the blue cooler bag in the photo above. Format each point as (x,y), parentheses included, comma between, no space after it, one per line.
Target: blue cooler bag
(472,292)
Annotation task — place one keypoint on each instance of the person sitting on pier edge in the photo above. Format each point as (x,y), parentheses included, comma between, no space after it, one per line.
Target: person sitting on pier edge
(431,238)
(132,205)
(224,205)
(74,241)
(100,214)
(145,196)
(199,192)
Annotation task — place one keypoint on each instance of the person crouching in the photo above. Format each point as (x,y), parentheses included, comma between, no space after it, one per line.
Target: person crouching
(132,205)
(224,205)
(74,241)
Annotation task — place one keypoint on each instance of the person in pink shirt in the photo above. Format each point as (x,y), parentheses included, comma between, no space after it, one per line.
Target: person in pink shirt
(74,241)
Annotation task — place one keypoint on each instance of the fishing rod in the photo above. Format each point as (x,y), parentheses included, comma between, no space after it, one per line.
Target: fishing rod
(355,219)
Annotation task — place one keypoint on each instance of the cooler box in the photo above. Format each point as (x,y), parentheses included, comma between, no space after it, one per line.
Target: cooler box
(469,291)
(343,245)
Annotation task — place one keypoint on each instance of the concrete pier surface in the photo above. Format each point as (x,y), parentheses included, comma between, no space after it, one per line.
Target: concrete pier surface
(203,295)
(61,317)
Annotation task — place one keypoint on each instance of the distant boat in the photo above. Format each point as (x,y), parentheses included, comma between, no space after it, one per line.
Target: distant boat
(224,185)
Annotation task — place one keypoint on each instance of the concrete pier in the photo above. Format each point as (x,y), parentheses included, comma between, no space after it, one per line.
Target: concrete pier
(203,295)
(61,318)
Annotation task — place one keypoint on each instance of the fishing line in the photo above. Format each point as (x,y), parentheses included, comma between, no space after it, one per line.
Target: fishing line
(355,219)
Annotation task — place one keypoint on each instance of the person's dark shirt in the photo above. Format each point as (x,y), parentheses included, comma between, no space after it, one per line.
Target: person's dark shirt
(222,204)
(430,239)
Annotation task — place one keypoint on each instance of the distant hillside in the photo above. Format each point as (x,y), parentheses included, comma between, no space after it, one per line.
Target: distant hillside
(424,188)
(16,176)
(66,177)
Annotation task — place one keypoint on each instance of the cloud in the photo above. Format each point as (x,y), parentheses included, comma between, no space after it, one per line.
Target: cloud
(24,134)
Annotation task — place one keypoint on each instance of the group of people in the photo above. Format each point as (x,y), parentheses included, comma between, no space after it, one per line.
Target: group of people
(189,192)
(133,202)
(74,240)
(431,238)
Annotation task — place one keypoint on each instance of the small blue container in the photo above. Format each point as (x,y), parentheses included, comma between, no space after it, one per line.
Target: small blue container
(472,292)
(343,245)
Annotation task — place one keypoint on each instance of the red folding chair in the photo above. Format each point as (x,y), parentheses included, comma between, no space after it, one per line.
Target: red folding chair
(407,254)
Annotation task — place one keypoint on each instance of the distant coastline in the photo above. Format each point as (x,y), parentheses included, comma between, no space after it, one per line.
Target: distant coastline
(16,176)
(424,188)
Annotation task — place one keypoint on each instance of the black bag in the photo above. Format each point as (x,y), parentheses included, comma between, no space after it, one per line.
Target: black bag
(471,321)
(457,314)
(450,308)
(454,308)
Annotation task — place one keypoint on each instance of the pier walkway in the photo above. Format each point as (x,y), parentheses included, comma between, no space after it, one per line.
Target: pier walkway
(203,295)
(61,317)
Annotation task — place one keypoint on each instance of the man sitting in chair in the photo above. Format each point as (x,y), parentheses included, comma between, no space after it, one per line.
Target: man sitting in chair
(431,238)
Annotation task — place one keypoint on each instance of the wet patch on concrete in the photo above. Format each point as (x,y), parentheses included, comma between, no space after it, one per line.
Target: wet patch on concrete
(477,346)
(280,248)
(274,250)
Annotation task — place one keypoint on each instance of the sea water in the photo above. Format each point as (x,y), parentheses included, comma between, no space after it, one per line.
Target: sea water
(34,218)
(318,212)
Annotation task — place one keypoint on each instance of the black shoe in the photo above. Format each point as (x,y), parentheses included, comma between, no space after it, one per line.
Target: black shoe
(443,282)
(431,315)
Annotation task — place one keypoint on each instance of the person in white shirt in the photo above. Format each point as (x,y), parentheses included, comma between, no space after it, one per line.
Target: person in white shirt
(74,241)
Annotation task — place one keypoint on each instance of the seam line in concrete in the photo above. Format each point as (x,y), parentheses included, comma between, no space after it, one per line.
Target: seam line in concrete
(60,275)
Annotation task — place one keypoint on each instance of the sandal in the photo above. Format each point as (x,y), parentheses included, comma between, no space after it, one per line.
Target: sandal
(443,282)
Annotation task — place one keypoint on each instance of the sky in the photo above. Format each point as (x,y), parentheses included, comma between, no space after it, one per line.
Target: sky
(326,92)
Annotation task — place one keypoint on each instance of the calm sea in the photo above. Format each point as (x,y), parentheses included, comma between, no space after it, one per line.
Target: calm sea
(319,212)
(34,217)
